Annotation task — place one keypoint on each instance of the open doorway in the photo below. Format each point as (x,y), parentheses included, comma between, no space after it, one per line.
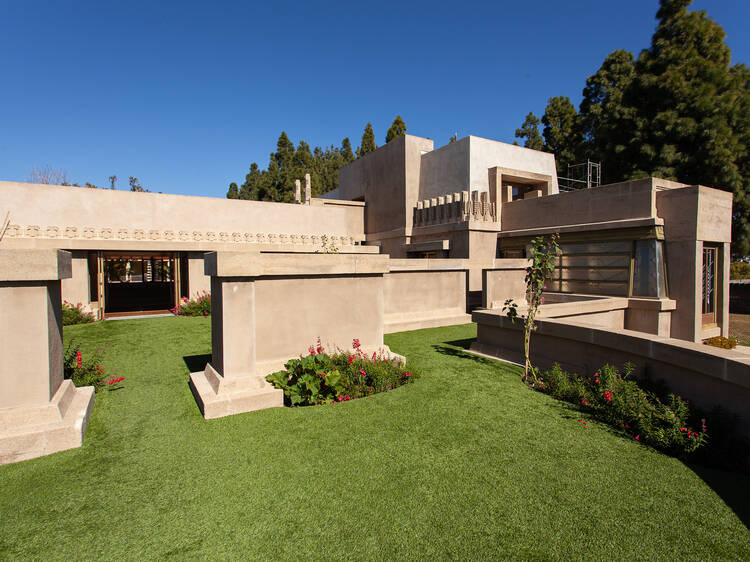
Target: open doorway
(135,283)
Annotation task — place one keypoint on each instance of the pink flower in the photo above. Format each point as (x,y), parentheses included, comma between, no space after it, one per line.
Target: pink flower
(339,398)
(638,437)
(362,372)
(407,374)
(542,299)
(311,349)
(584,402)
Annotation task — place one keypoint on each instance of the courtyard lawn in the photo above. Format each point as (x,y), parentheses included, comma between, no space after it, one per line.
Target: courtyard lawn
(465,463)
(739,328)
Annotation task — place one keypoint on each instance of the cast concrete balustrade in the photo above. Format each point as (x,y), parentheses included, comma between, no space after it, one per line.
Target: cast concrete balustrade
(269,308)
(505,280)
(707,375)
(40,413)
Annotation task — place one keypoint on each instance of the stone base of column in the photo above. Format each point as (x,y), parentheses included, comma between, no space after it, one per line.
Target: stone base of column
(30,432)
(218,397)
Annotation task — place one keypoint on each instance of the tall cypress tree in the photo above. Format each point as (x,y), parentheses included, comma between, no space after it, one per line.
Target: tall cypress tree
(347,155)
(530,131)
(397,129)
(368,141)
(562,132)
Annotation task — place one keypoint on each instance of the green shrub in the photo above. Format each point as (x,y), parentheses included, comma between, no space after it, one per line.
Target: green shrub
(74,314)
(199,306)
(320,378)
(739,270)
(618,400)
(722,342)
(89,371)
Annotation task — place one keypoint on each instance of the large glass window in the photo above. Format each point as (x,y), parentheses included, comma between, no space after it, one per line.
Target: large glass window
(649,270)
(708,301)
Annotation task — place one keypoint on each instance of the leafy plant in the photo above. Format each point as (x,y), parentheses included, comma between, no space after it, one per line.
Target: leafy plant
(199,306)
(75,314)
(739,270)
(619,400)
(89,371)
(722,342)
(320,378)
(544,252)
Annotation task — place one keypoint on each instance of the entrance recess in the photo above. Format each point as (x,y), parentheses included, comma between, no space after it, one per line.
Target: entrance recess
(139,282)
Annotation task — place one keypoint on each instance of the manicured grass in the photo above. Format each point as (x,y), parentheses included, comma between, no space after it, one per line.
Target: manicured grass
(465,463)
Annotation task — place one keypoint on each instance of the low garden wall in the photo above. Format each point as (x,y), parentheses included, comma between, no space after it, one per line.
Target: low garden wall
(708,376)
(425,293)
(269,308)
(504,281)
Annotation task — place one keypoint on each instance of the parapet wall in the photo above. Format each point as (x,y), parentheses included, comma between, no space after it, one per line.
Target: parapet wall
(75,217)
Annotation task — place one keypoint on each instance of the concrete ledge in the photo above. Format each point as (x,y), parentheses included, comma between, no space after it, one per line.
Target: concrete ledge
(256,264)
(394,326)
(35,265)
(245,394)
(427,264)
(70,405)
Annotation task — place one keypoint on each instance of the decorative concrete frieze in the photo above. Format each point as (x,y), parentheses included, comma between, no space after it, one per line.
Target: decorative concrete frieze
(40,412)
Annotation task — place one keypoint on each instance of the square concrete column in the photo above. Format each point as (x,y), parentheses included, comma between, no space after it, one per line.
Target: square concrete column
(40,413)
(229,384)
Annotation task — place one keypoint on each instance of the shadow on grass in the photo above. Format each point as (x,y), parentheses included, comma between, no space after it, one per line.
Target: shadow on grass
(452,351)
(196,363)
(731,487)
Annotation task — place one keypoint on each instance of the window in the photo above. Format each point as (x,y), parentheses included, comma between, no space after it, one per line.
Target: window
(708,304)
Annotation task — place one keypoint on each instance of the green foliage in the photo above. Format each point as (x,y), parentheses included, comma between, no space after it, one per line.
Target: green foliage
(544,252)
(739,270)
(198,306)
(320,378)
(368,141)
(75,314)
(289,163)
(530,132)
(562,132)
(136,186)
(679,111)
(87,371)
(721,342)
(618,400)
(397,129)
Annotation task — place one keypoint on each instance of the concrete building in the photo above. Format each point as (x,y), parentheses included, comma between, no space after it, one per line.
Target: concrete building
(425,236)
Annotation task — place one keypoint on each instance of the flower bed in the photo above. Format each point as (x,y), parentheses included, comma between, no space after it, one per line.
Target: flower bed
(320,378)
(75,314)
(87,372)
(199,306)
(619,401)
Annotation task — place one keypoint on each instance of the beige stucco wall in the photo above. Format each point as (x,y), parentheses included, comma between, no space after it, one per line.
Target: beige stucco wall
(62,213)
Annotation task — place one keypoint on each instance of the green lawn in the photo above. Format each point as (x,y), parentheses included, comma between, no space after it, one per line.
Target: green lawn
(465,463)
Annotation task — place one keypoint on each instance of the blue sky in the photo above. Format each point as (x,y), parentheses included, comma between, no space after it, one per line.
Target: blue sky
(185,95)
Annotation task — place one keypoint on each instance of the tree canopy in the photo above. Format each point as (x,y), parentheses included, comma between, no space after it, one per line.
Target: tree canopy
(680,111)
(397,129)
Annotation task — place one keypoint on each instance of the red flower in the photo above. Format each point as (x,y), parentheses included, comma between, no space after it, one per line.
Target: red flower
(351,359)
(374,356)
(355,343)
(311,349)
(362,372)
(607,395)
(638,437)
(339,398)
(407,374)
(584,402)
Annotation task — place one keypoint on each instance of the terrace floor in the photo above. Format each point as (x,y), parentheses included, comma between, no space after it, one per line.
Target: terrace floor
(465,463)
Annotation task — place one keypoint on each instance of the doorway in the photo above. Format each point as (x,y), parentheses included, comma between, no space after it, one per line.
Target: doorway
(143,282)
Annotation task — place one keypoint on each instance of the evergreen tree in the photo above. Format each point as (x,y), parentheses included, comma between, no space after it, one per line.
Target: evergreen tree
(397,129)
(233,191)
(562,132)
(604,117)
(346,151)
(368,141)
(530,131)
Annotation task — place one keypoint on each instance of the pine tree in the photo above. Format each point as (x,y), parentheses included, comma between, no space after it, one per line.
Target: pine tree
(346,151)
(605,120)
(397,129)
(233,191)
(562,132)
(368,141)
(530,131)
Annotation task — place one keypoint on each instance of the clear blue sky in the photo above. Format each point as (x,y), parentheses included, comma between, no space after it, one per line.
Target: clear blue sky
(185,95)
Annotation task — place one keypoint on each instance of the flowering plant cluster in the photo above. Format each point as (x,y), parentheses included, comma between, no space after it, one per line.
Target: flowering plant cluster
(618,400)
(322,378)
(75,314)
(88,371)
(199,306)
